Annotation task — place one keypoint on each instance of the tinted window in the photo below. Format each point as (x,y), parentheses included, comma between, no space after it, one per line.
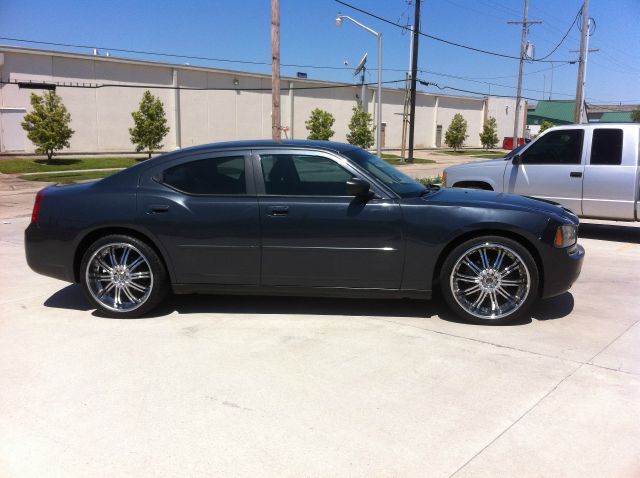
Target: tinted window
(556,147)
(208,176)
(606,147)
(399,182)
(303,175)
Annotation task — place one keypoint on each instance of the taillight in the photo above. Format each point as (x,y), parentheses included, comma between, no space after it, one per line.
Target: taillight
(36,206)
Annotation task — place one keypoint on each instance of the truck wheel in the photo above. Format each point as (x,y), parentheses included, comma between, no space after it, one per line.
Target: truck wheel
(122,276)
(490,280)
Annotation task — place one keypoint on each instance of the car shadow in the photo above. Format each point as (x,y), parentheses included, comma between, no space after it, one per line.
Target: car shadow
(72,298)
(608,232)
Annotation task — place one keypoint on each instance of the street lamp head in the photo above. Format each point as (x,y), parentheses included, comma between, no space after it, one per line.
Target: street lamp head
(339,20)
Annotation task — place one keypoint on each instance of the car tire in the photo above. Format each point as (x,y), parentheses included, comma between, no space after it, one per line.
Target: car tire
(490,280)
(123,277)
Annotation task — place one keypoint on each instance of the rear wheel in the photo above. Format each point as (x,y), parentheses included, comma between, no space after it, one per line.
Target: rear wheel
(122,276)
(490,280)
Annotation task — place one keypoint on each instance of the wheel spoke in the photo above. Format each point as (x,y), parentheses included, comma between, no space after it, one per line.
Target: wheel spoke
(484,258)
(466,278)
(505,294)
(512,282)
(103,264)
(135,264)
(101,277)
(494,300)
(471,266)
(479,300)
(137,287)
(498,262)
(125,256)
(509,269)
(128,293)
(117,301)
(102,292)
(471,290)
(140,275)
(112,257)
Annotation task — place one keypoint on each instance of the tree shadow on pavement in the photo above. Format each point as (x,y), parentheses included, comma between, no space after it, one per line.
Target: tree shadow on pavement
(607,232)
(72,298)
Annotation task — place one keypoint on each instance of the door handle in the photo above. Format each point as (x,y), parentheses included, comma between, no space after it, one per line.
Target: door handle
(575,174)
(276,211)
(154,208)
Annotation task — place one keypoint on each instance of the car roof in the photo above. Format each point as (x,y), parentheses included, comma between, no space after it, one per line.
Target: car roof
(268,143)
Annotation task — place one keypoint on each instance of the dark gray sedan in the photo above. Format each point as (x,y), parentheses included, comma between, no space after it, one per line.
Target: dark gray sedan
(298,218)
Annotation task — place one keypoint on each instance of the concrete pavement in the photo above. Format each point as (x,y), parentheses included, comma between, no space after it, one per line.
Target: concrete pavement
(245,386)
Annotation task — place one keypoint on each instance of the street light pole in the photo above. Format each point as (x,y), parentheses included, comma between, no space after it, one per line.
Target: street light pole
(339,20)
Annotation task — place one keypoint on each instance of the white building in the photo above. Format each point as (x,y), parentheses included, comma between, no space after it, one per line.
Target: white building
(198,113)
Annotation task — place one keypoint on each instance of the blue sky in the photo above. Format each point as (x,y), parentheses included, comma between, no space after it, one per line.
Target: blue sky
(240,30)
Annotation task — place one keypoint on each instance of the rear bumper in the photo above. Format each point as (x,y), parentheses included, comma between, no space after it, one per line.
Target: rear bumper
(562,269)
(47,255)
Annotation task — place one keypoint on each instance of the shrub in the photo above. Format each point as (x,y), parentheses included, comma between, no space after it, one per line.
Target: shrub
(47,125)
(319,125)
(150,124)
(457,132)
(361,129)
(488,136)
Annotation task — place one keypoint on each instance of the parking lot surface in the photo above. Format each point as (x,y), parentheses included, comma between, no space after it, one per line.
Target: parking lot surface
(250,386)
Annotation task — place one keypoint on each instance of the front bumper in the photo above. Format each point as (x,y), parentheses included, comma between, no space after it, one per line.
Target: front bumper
(562,269)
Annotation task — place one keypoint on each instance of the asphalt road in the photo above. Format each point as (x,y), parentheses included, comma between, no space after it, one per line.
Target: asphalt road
(242,386)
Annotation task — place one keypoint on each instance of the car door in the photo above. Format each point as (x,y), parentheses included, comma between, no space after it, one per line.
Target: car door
(552,168)
(314,234)
(205,214)
(610,176)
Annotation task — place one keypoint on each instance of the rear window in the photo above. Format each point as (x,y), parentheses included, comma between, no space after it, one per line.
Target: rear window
(606,147)
(224,175)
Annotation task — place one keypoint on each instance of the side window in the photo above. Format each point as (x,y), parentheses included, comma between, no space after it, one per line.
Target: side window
(556,147)
(606,147)
(223,175)
(303,175)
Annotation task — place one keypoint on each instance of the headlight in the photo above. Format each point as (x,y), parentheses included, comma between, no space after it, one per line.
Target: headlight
(566,235)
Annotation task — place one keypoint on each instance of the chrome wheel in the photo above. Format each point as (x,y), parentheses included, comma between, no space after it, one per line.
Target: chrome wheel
(119,277)
(490,281)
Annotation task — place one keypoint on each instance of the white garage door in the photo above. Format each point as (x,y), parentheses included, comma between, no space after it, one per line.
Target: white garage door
(13,136)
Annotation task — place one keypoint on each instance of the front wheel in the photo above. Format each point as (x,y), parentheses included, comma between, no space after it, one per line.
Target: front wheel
(122,276)
(490,280)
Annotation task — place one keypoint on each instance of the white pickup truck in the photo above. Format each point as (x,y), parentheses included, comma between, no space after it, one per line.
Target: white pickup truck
(592,169)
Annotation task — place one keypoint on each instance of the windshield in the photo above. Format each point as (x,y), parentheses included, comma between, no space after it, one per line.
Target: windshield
(400,183)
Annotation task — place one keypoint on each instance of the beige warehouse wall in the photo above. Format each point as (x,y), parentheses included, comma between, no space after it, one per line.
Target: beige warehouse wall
(101,117)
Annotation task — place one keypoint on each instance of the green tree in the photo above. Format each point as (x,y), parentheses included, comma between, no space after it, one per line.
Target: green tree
(457,132)
(489,137)
(150,124)
(319,125)
(635,116)
(361,129)
(47,125)
(545,126)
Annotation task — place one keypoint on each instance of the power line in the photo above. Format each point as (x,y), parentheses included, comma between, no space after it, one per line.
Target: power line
(564,37)
(433,37)
(35,84)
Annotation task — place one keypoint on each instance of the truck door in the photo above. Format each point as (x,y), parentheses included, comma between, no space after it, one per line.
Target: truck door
(550,168)
(610,176)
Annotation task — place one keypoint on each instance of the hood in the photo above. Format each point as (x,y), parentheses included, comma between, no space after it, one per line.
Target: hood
(479,164)
(490,199)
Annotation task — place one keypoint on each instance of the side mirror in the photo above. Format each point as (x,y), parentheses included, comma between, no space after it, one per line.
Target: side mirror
(516,160)
(358,187)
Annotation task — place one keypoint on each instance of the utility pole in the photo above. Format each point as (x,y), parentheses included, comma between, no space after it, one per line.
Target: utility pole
(276,127)
(407,100)
(414,74)
(523,45)
(582,67)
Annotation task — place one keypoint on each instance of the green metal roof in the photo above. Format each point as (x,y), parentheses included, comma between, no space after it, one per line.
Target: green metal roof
(616,117)
(556,111)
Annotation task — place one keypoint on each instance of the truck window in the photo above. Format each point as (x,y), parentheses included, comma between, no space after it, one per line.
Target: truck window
(606,147)
(563,146)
